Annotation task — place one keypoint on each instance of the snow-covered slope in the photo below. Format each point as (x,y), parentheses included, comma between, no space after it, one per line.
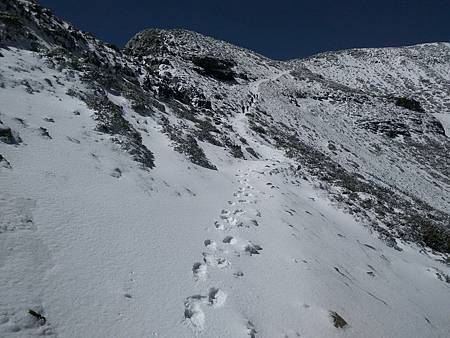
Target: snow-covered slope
(417,71)
(187,187)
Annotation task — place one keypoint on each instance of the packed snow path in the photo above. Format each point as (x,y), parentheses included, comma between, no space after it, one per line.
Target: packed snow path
(255,90)
(237,216)
(224,248)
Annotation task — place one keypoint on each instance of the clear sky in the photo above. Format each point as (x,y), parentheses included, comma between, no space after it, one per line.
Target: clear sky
(280,29)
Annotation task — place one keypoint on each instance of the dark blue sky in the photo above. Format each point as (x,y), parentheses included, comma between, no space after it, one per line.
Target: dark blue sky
(280,29)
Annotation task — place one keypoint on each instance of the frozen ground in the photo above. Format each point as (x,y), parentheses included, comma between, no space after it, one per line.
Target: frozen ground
(102,248)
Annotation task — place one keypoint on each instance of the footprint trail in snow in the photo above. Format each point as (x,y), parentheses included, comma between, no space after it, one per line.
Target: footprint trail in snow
(228,229)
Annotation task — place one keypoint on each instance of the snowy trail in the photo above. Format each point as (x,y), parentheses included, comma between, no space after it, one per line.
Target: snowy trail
(240,121)
(277,258)
(237,214)
(224,249)
(292,249)
(102,248)
(255,90)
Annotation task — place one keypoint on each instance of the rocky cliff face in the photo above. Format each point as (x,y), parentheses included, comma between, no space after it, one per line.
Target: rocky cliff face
(175,120)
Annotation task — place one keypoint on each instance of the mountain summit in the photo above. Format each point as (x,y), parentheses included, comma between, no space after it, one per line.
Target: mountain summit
(186,187)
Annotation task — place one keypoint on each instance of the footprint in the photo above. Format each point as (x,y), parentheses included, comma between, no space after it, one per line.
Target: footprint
(238,274)
(193,314)
(216,297)
(251,331)
(224,214)
(212,260)
(209,259)
(210,244)
(219,225)
(234,222)
(229,240)
(116,173)
(253,222)
(238,212)
(252,249)
(223,263)
(199,270)
(248,223)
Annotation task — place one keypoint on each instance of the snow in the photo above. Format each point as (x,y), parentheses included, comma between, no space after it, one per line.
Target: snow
(182,251)
(444,118)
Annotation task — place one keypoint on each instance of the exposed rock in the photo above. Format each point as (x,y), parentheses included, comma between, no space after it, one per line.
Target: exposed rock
(219,69)
(391,129)
(110,120)
(8,136)
(4,162)
(409,103)
(338,321)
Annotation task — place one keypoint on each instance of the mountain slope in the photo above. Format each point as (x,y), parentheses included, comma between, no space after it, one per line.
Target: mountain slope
(187,187)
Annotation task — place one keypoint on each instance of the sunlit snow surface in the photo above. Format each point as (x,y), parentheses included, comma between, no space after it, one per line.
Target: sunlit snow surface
(102,248)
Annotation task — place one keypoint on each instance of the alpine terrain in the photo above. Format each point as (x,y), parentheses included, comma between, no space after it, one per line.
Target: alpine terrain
(186,187)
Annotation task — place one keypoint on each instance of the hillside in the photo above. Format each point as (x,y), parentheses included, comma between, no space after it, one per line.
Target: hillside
(187,187)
